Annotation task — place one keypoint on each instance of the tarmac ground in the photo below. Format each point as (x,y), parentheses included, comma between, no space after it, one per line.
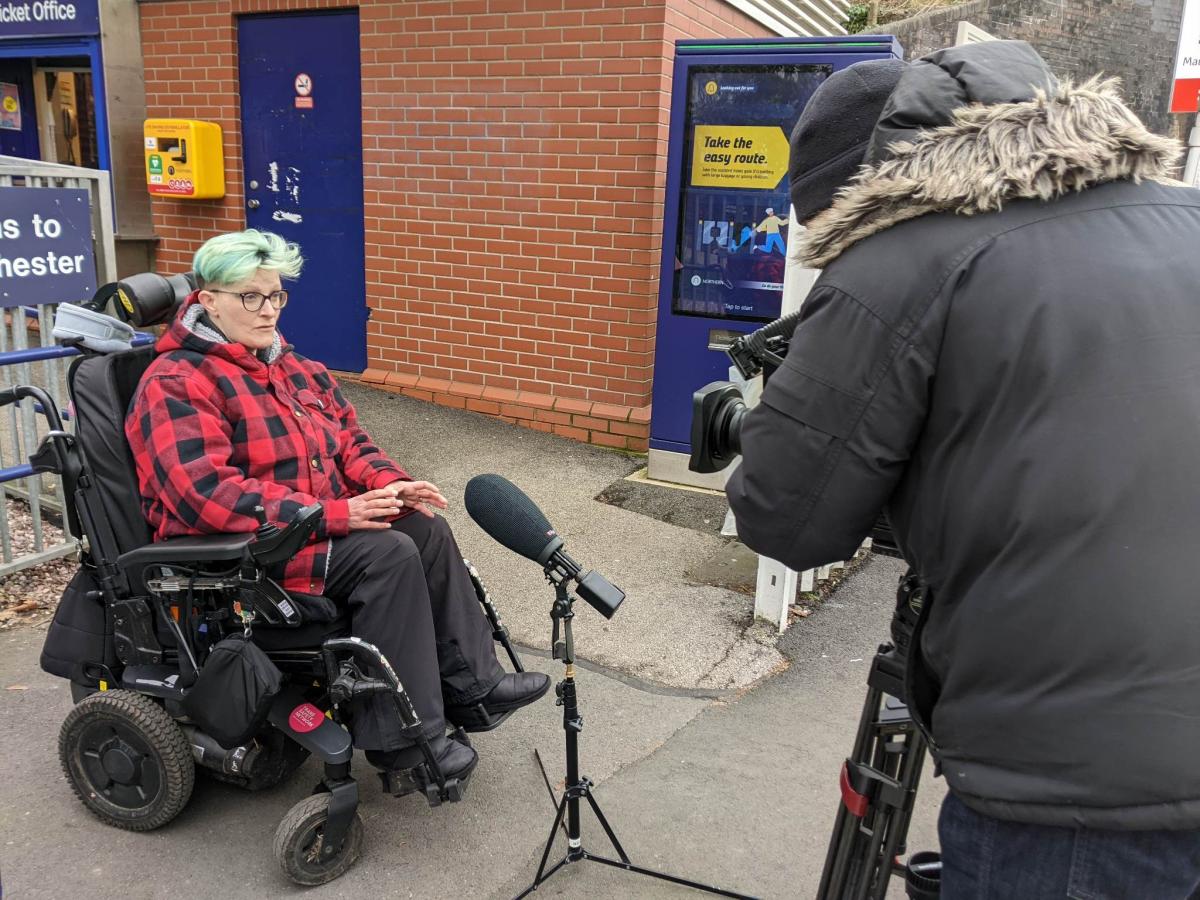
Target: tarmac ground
(715,745)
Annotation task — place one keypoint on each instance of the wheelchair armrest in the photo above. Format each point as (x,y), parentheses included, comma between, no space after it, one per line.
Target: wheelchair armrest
(200,548)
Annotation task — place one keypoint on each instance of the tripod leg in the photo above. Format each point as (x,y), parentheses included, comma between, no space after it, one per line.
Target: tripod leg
(546,779)
(607,828)
(674,879)
(538,879)
(533,887)
(834,879)
(840,873)
(899,817)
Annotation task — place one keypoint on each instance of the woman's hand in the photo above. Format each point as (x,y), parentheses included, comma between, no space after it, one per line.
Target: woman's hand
(417,494)
(368,511)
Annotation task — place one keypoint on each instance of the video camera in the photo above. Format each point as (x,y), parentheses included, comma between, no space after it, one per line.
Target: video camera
(719,409)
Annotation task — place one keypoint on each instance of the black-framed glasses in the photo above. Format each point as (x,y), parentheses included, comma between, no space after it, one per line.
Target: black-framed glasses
(253,300)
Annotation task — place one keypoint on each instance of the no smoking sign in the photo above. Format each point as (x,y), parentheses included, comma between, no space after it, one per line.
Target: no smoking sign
(304,88)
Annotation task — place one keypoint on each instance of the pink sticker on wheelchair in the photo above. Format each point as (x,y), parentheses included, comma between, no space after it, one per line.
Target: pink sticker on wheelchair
(305,718)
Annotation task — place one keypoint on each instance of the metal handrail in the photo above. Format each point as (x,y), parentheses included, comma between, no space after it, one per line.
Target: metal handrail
(99,186)
(42,365)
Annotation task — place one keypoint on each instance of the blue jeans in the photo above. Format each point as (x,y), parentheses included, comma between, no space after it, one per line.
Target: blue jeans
(990,859)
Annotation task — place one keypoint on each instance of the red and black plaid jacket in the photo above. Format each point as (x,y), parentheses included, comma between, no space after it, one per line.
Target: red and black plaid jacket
(215,432)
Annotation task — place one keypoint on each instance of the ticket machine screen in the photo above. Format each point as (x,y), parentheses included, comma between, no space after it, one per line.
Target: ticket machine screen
(731,246)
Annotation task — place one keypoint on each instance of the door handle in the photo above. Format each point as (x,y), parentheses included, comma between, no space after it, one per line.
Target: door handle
(252,203)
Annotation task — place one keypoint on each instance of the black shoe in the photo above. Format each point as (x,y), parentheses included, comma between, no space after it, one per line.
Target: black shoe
(454,759)
(516,689)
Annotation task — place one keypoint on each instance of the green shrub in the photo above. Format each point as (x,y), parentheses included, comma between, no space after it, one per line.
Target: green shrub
(857,17)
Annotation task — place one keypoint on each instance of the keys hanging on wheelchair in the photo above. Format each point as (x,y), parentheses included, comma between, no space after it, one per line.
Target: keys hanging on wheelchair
(247,617)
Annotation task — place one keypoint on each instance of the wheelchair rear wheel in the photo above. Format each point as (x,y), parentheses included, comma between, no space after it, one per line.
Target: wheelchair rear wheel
(299,839)
(127,760)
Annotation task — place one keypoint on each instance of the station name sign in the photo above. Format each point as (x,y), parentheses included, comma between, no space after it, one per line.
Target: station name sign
(1185,89)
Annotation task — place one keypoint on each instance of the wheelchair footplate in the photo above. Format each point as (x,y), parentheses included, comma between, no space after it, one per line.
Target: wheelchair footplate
(476,718)
(419,779)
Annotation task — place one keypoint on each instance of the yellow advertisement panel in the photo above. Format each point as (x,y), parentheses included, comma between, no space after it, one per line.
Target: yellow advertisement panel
(739,156)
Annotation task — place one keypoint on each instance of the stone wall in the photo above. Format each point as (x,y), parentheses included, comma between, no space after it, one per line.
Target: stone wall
(1132,39)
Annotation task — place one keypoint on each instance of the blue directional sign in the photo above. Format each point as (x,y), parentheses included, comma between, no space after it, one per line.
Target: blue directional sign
(45,246)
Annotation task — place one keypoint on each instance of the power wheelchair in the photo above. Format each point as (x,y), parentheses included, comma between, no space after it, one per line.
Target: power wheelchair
(135,627)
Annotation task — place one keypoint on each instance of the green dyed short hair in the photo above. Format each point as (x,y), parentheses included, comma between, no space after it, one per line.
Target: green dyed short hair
(232,258)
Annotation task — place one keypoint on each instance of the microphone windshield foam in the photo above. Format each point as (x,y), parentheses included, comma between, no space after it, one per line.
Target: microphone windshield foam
(501,509)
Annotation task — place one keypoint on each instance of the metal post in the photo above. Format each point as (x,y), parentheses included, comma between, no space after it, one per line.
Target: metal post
(28,431)
(22,428)
(775,590)
(6,549)
(1191,171)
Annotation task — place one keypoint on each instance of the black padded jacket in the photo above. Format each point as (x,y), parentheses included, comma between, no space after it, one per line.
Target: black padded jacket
(1003,352)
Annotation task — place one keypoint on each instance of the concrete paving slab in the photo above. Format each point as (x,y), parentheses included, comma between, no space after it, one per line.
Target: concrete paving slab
(668,630)
(745,795)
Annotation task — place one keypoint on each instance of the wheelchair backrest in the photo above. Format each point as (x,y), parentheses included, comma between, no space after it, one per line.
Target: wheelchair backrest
(102,388)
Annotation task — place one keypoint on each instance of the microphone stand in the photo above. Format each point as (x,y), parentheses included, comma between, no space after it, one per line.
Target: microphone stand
(559,570)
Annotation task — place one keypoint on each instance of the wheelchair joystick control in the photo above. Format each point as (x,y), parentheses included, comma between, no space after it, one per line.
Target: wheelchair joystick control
(265,529)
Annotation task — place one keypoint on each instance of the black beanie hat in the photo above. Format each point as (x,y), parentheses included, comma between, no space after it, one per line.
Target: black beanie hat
(831,138)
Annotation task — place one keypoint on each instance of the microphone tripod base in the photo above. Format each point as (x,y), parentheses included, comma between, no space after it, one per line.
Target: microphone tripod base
(577,853)
(577,787)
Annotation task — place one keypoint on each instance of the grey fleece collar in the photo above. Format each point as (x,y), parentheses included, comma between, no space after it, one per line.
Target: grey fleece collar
(1040,149)
(197,322)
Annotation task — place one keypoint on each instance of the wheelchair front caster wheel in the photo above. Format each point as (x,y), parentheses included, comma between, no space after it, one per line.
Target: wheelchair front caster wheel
(299,843)
(127,760)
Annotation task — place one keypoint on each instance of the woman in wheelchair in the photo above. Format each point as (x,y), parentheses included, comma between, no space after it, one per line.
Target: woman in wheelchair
(228,418)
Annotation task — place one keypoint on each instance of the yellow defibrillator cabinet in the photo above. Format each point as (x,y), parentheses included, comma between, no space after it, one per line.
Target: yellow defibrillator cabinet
(184,159)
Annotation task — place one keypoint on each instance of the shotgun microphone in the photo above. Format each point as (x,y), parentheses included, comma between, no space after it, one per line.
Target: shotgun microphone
(501,509)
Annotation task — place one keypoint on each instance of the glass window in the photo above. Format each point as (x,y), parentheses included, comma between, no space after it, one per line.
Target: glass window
(67,116)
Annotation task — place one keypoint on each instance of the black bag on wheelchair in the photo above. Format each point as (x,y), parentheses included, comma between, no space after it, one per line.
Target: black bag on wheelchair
(79,643)
(232,696)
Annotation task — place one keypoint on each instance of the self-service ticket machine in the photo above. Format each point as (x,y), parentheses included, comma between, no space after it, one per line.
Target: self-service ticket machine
(726,217)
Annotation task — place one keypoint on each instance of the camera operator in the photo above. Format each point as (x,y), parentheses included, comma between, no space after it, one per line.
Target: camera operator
(1003,352)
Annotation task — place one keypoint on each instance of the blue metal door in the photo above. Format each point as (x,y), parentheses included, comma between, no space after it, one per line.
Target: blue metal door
(302,152)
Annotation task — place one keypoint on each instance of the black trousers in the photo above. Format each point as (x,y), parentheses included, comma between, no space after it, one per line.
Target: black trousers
(409,594)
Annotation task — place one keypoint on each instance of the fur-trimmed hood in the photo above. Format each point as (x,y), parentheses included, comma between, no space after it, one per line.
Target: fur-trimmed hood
(1063,138)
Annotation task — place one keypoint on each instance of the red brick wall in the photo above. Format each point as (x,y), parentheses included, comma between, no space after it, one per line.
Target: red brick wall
(514,165)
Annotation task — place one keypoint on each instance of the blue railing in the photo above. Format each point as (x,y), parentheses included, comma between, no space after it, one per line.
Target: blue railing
(39,354)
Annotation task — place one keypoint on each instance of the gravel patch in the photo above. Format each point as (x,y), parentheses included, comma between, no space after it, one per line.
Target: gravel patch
(29,597)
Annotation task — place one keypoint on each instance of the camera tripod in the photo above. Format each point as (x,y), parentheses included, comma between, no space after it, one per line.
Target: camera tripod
(580,788)
(879,781)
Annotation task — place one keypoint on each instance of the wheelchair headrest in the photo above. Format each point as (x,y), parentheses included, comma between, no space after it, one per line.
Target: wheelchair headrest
(147,298)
